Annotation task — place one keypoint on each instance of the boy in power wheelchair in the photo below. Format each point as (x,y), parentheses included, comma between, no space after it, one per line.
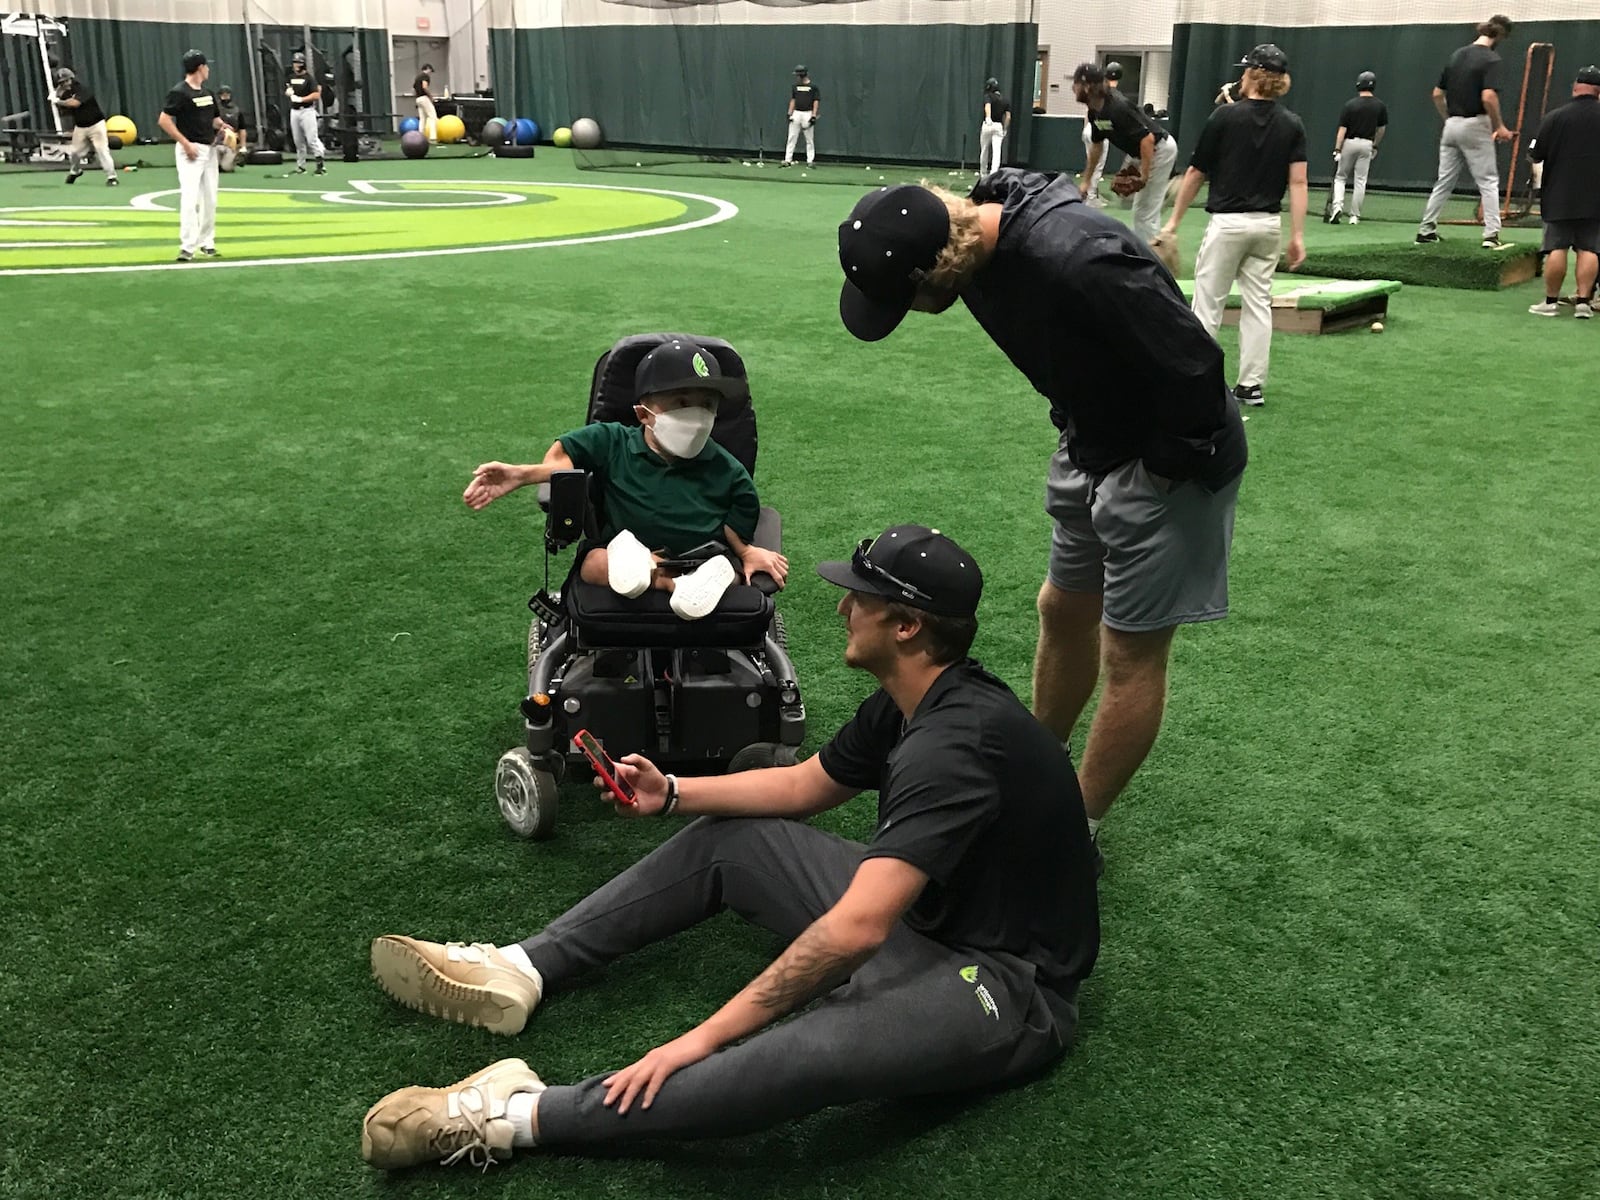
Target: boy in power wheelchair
(654,644)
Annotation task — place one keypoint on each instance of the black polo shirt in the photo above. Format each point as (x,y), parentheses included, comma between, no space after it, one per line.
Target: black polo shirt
(983,799)
(804,96)
(1082,307)
(1363,116)
(999,106)
(192,110)
(302,84)
(421,84)
(88,111)
(1123,123)
(1246,149)
(1568,144)
(1470,71)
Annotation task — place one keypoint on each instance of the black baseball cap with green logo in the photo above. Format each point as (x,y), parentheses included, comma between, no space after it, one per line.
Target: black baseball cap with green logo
(887,244)
(915,566)
(679,365)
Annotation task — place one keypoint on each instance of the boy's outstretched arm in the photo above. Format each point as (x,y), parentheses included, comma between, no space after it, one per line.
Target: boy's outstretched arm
(495,479)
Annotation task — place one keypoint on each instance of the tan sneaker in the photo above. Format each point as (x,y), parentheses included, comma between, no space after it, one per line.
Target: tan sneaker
(474,984)
(466,1120)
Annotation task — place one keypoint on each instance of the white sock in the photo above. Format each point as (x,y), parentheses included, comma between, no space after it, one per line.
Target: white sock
(519,956)
(519,1111)
(1094,827)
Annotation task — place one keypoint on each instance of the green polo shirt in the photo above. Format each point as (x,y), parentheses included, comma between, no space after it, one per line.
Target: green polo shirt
(673,506)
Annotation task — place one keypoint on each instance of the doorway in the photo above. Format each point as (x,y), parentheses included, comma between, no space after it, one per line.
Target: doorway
(409,55)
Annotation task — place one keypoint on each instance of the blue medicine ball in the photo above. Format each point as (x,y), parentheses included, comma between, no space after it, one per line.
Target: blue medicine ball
(410,125)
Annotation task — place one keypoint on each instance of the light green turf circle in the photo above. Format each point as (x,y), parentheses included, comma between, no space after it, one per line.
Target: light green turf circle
(356,220)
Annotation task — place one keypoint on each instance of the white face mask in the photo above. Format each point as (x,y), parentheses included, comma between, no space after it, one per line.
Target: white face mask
(683,432)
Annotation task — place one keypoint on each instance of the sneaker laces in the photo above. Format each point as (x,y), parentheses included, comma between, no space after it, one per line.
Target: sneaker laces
(470,1142)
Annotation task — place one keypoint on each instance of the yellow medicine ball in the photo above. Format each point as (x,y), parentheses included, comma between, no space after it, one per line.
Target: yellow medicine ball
(451,129)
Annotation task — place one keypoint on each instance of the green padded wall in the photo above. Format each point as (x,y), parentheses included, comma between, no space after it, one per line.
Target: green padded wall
(889,92)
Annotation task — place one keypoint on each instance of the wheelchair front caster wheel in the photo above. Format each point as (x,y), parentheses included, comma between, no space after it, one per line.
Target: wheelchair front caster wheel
(526,794)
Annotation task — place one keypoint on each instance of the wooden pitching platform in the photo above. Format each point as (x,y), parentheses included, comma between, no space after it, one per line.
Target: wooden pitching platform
(1308,305)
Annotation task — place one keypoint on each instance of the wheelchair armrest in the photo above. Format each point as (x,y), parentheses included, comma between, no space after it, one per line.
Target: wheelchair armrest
(769,536)
(566,501)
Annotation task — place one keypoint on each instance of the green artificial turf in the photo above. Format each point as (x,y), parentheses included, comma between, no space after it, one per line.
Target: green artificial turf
(259,661)
(1456,261)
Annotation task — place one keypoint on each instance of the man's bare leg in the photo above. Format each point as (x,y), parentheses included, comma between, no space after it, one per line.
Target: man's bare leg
(1128,717)
(1066,664)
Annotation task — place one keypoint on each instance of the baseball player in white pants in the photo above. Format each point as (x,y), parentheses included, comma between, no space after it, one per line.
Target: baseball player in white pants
(1362,123)
(1253,151)
(427,115)
(1091,195)
(88,126)
(190,118)
(805,102)
(1353,159)
(992,130)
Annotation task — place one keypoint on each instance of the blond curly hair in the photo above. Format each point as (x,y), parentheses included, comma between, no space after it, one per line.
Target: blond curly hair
(1267,85)
(958,262)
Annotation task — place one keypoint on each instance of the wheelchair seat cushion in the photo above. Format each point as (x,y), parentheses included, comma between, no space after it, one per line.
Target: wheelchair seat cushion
(603,618)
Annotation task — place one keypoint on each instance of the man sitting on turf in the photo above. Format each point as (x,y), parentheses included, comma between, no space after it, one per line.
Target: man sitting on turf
(944,955)
(666,486)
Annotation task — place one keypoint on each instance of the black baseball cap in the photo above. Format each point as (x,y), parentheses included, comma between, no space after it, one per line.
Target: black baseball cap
(800,69)
(1267,57)
(1088,72)
(887,245)
(193,61)
(678,365)
(1113,70)
(915,566)
(299,56)
(1366,80)
(1589,75)
(225,88)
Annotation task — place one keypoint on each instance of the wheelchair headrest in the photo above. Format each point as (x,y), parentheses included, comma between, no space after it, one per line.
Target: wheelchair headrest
(611,395)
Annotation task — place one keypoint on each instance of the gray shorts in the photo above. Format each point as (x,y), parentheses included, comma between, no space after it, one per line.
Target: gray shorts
(1575,235)
(1155,550)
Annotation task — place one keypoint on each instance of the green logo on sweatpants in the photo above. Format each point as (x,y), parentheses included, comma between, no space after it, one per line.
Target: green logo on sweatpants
(970,974)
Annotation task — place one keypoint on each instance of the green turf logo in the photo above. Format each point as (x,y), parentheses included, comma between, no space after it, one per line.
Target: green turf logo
(354,220)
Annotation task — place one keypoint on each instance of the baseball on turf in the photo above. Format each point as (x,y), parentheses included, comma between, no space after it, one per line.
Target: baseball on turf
(1377,327)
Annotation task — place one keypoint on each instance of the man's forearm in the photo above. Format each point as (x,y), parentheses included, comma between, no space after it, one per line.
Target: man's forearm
(1187,191)
(773,792)
(1491,105)
(1093,160)
(1147,155)
(167,126)
(1438,103)
(816,962)
(1297,208)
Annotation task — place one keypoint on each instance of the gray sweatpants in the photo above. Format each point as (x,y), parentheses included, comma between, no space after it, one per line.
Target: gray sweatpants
(83,137)
(918,1018)
(1466,142)
(303,124)
(1355,158)
(1240,247)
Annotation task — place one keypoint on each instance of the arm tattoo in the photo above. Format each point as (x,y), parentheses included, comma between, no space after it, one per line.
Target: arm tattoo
(813,964)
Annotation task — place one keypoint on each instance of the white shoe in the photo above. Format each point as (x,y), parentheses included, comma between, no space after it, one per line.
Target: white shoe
(1094,201)
(629,566)
(1355,220)
(1583,311)
(465,1121)
(1545,309)
(696,594)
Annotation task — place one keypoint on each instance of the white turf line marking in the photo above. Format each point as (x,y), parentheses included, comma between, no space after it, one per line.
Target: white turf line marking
(37,245)
(725,210)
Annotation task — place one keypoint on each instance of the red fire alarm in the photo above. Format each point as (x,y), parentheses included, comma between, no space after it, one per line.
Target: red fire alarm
(422,22)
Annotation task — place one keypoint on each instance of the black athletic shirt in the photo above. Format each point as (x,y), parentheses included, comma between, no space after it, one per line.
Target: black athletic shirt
(1085,310)
(88,111)
(804,96)
(1246,149)
(1470,70)
(1568,144)
(1363,116)
(192,110)
(1123,123)
(421,84)
(230,113)
(999,106)
(302,84)
(983,799)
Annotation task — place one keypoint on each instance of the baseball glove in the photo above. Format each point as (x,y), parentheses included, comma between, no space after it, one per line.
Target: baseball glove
(1128,180)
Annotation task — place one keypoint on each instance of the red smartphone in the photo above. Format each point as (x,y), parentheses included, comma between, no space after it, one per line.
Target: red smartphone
(604,767)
